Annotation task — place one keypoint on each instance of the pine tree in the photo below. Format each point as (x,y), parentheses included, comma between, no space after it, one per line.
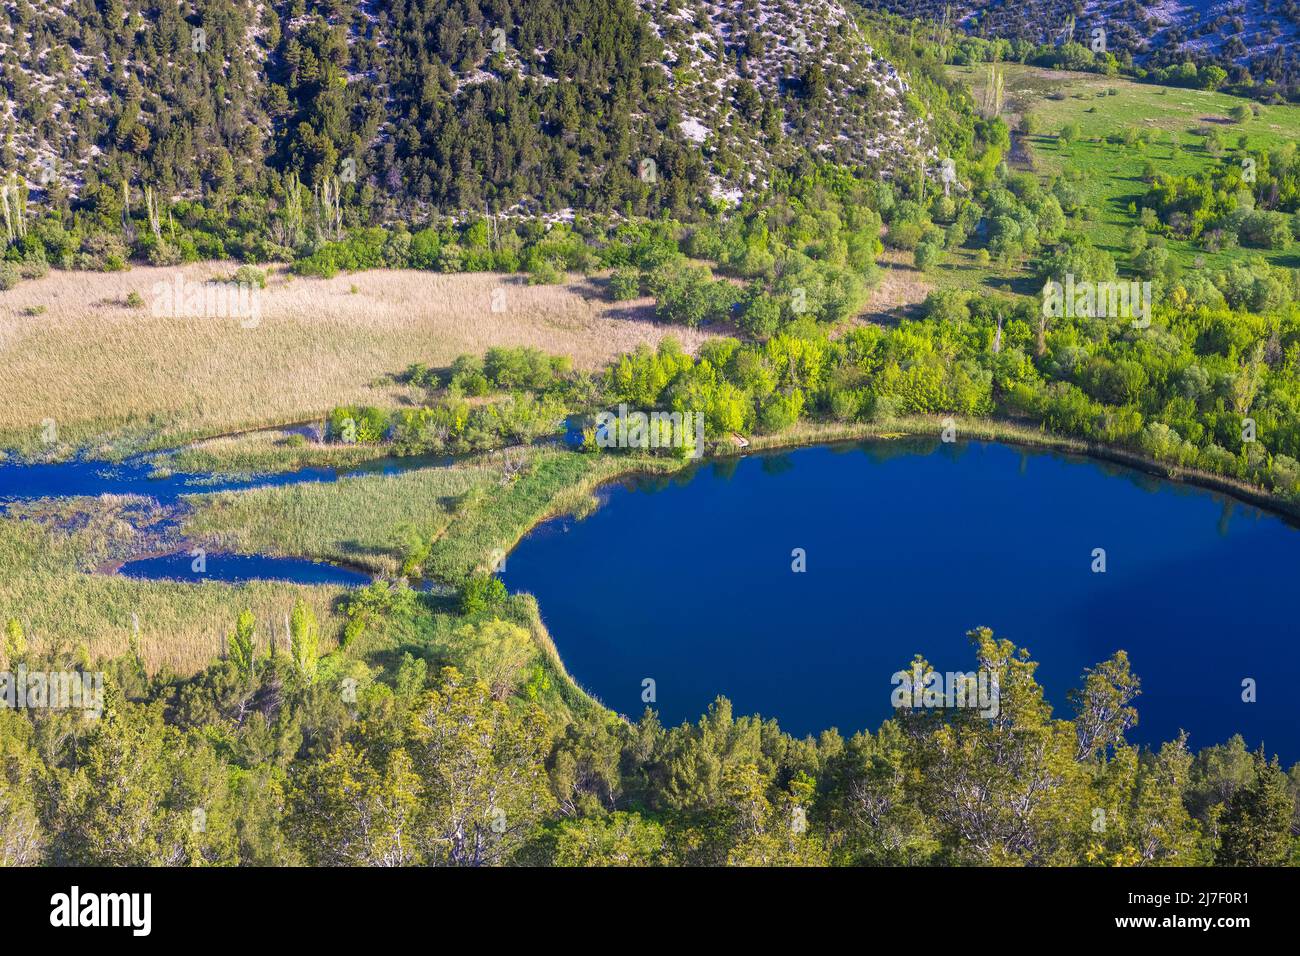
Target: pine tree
(1257,825)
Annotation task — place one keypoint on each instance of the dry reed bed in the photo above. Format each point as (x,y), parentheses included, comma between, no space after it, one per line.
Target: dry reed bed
(99,367)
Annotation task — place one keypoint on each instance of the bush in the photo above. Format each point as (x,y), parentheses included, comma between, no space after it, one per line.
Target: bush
(522,368)
(425,249)
(349,424)
(10,275)
(481,593)
(624,284)
(467,376)
(251,276)
(761,314)
(928,255)
(101,252)
(544,272)
(687,295)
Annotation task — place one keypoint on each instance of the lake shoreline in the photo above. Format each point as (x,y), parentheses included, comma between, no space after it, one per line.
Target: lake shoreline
(589,652)
(1008,433)
(968,430)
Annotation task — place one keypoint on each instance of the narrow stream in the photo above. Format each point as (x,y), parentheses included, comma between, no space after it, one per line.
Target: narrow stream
(80,477)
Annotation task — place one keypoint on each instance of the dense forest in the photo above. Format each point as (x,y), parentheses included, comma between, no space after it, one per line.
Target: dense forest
(279,756)
(433,105)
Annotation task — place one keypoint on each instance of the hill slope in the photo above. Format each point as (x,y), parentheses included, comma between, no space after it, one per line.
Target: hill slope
(1253,40)
(451,104)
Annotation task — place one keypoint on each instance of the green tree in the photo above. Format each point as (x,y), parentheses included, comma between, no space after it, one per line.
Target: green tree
(116,808)
(22,774)
(241,642)
(497,653)
(1102,711)
(1007,788)
(480,763)
(615,839)
(15,644)
(357,807)
(1256,828)
(304,640)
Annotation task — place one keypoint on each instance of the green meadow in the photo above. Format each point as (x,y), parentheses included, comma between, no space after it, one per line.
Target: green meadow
(1108,171)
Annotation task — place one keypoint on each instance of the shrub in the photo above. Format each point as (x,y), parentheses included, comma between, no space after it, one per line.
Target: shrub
(688,295)
(928,255)
(252,276)
(624,284)
(544,271)
(481,593)
(467,376)
(349,424)
(761,315)
(101,252)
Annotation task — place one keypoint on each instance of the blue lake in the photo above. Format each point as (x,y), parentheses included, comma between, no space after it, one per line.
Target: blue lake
(909,545)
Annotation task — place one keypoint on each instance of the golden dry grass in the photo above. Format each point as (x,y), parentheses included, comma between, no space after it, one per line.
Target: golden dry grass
(45,585)
(103,370)
(901,288)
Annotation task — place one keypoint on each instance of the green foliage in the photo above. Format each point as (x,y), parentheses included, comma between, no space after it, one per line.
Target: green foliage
(1256,826)
(304,640)
(15,643)
(240,643)
(687,295)
(466,768)
(624,284)
(481,593)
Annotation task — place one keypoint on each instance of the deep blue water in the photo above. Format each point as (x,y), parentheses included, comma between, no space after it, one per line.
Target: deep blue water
(237,568)
(909,545)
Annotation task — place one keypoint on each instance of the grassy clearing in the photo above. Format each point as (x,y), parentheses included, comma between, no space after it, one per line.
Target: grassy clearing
(901,289)
(469,510)
(115,378)
(366,521)
(265,452)
(1111,173)
(45,560)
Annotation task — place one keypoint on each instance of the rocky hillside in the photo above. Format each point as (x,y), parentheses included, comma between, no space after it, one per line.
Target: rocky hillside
(449,104)
(756,82)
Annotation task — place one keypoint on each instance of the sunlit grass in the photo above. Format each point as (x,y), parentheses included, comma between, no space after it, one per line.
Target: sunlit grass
(47,583)
(367,521)
(115,377)
(1111,173)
